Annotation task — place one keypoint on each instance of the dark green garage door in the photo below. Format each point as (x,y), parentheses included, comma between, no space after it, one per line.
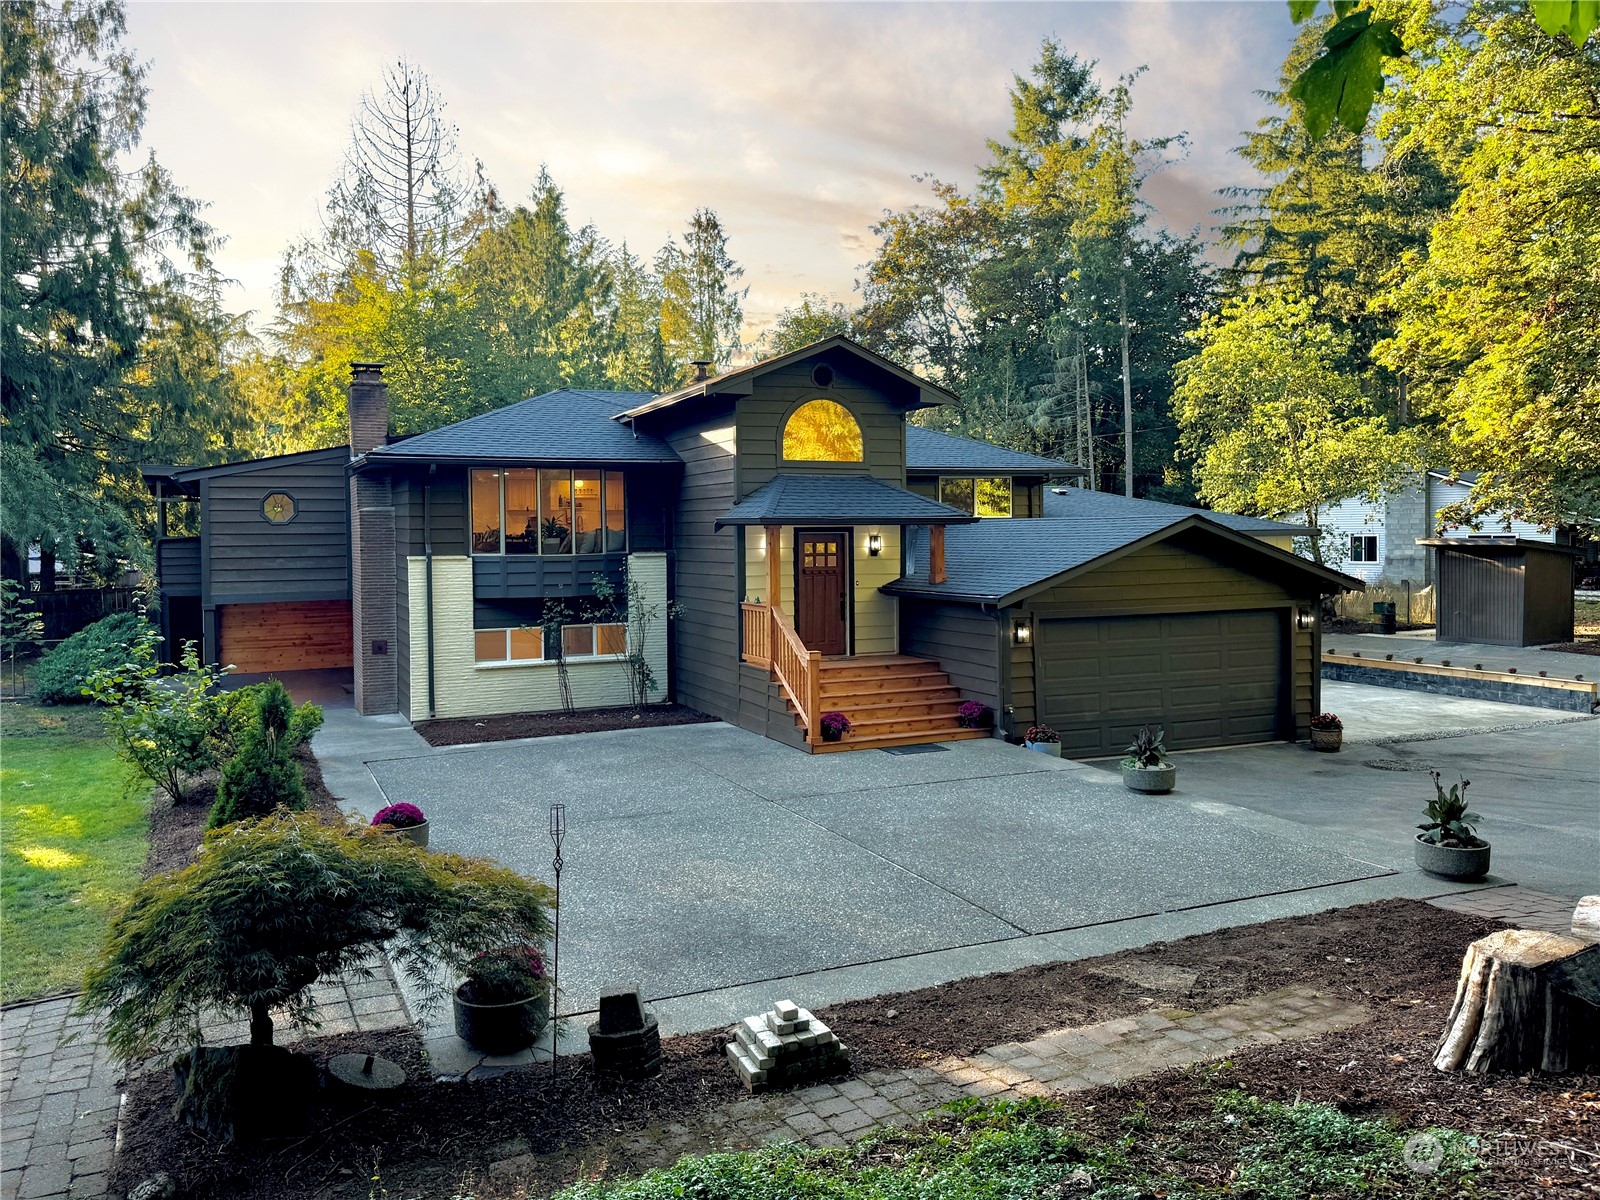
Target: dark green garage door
(1210,679)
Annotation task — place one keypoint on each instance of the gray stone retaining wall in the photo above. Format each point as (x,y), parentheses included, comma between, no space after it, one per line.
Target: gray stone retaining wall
(1504,691)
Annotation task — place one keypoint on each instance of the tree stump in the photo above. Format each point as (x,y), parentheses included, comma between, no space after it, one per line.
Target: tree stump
(1526,1000)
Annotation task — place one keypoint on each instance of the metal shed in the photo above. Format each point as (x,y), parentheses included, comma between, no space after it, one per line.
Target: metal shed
(1502,591)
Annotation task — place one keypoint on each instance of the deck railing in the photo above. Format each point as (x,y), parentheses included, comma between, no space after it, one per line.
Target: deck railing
(771,641)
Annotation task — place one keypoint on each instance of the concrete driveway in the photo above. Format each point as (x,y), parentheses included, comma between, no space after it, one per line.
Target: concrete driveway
(704,858)
(1535,779)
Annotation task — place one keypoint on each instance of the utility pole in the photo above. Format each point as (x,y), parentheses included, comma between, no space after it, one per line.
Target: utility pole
(1127,398)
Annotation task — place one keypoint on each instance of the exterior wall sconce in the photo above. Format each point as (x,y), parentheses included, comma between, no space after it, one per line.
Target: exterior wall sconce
(1304,619)
(1021,633)
(874,544)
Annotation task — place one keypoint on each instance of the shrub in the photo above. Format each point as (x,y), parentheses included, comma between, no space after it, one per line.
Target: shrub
(262,775)
(271,906)
(163,728)
(1148,748)
(63,674)
(240,711)
(504,975)
(399,816)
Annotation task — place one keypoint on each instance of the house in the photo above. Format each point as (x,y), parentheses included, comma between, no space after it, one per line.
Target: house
(1385,539)
(822,553)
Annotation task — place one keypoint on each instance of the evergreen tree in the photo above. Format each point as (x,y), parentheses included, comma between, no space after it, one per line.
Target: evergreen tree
(702,310)
(111,325)
(262,775)
(816,317)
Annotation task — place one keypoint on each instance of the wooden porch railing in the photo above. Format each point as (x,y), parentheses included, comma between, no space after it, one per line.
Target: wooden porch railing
(771,641)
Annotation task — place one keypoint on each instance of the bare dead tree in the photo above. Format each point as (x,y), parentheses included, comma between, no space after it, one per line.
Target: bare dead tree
(402,192)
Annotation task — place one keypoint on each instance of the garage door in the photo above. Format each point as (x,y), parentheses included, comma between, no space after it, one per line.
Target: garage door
(1209,679)
(305,635)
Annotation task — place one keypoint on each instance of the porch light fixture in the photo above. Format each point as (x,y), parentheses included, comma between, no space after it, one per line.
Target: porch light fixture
(874,544)
(1304,619)
(1021,633)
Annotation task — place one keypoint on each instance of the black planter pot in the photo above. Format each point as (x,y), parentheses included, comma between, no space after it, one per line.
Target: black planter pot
(501,1028)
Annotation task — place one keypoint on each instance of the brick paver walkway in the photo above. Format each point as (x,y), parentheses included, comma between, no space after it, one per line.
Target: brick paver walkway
(59,1088)
(1518,906)
(1067,1060)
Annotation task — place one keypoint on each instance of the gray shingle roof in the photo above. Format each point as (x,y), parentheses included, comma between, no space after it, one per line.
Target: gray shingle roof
(570,425)
(930,450)
(792,499)
(1066,502)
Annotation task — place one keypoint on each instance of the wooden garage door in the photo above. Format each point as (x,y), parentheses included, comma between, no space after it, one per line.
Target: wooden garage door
(302,635)
(1209,679)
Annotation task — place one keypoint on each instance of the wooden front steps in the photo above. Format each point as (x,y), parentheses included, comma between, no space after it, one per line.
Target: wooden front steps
(891,700)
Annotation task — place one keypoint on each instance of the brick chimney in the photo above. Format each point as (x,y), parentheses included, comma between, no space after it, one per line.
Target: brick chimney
(369,408)
(373,570)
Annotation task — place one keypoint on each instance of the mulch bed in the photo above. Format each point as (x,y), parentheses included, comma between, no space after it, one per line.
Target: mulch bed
(467,731)
(1398,957)
(1575,647)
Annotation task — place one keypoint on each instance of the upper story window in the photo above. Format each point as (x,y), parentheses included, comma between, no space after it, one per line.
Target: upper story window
(990,497)
(822,431)
(1363,548)
(523,510)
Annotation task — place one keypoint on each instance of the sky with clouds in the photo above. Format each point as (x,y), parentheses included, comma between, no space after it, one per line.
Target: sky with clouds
(798,123)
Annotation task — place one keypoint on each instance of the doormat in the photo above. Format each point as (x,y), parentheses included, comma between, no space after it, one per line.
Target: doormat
(925,748)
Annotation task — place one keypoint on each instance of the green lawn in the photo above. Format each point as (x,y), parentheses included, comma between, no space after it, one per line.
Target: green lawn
(73,843)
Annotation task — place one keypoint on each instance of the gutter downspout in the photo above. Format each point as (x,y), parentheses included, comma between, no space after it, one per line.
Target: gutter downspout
(427,573)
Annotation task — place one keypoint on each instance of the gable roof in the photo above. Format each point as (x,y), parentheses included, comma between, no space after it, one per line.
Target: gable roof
(569,425)
(1066,502)
(187,479)
(931,450)
(832,499)
(1003,561)
(737,380)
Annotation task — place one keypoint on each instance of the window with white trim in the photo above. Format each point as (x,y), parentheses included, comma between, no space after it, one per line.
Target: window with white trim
(536,643)
(1363,548)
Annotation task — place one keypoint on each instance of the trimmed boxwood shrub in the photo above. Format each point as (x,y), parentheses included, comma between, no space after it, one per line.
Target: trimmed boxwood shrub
(63,673)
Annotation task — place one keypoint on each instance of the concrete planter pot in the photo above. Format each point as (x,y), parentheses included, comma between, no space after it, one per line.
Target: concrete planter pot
(1327,740)
(1053,749)
(1453,862)
(411,833)
(501,1028)
(1152,781)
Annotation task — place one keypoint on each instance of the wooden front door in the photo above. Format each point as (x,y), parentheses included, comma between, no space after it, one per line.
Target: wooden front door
(822,562)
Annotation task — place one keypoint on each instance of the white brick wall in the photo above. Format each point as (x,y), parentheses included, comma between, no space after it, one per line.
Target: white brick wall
(462,688)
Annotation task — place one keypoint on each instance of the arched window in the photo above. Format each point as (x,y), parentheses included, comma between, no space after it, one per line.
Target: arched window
(822,431)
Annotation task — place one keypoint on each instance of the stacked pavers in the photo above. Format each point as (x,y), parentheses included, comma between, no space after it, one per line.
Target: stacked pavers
(784,1045)
(626,1041)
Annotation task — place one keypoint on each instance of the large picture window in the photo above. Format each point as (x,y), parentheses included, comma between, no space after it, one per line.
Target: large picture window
(822,431)
(534,643)
(523,510)
(984,497)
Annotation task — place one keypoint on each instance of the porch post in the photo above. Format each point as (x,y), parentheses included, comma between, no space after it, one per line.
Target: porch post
(936,554)
(775,565)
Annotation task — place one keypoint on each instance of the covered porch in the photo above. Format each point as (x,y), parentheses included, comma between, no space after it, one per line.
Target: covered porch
(817,550)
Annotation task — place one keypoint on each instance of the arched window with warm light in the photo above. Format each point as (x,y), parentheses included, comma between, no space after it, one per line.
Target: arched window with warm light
(822,431)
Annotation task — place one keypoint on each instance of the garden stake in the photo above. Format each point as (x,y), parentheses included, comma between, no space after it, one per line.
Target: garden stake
(558,833)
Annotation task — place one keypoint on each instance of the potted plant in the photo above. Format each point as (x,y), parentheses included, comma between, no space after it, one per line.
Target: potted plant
(974,715)
(1043,739)
(1448,844)
(834,726)
(1146,767)
(403,820)
(1327,732)
(553,535)
(504,1001)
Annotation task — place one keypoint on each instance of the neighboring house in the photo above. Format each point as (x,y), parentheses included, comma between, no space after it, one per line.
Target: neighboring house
(824,554)
(1378,539)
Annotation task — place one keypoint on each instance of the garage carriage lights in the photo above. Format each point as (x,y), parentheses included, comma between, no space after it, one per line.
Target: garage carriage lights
(1304,618)
(1021,632)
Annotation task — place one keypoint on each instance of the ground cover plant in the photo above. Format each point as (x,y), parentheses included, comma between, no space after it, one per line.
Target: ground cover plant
(1036,1147)
(73,841)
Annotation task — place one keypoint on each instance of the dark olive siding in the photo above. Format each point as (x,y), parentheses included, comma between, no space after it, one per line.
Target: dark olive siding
(178,566)
(761,417)
(1187,574)
(706,663)
(924,485)
(965,641)
(251,560)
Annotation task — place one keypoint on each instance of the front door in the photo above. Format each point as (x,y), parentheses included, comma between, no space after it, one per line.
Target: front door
(822,559)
